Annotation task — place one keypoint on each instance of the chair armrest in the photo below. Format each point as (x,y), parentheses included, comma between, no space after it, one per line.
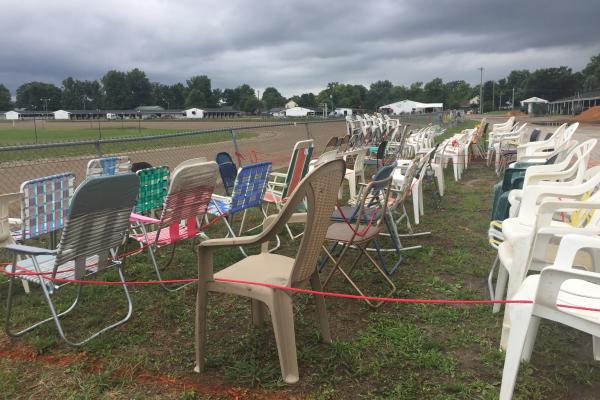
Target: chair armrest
(278,174)
(551,280)
(30,250)
(254,239)
(143,219)
(570,245)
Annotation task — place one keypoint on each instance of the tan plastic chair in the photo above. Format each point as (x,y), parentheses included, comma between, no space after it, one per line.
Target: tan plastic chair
(320,190)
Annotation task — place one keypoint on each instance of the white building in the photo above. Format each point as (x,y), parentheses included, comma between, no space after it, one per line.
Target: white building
(298,112)
(411,107)
(194,113)
(343,111)
(291,104)
(12,115)
(62,114)
(531,101)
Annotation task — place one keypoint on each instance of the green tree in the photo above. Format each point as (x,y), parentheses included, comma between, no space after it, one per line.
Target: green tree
(517,80)
(380,93)
(116,94)
(195,98)
(591,74)
(81,94)
(458,93)
(201,84)
(5,101)
(434,91)
(552,83)
(307,100)
(30,95)
(139,88)
(272,98)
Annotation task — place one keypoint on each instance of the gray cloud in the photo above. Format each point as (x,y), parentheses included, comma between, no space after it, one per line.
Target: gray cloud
(295,46)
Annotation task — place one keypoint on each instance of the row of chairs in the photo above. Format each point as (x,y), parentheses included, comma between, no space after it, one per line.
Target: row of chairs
(97,221)
(544,227)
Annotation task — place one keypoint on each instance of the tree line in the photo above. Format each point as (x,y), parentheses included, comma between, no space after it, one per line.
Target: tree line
(126,90)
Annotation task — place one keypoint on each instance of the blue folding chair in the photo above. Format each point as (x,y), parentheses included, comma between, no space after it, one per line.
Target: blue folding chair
(227,170)
(248,190)
(108,166)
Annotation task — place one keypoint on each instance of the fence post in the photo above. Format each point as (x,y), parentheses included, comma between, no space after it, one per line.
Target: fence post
(307,130)
(235,144)
(98,149)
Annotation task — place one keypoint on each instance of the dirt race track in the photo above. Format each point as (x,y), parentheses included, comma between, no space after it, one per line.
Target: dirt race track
(271,144)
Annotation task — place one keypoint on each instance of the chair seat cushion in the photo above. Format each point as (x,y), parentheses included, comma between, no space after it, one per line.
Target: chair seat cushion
(167,235)
(264,267)
(341,232)
(574,292)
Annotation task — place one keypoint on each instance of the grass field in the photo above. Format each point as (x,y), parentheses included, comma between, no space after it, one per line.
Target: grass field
(53,135)
(400,351)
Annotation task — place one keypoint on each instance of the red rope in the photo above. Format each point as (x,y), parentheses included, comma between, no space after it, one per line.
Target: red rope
(314,292)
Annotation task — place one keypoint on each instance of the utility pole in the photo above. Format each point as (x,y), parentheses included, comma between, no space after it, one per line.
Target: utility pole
(34,124)
(45,101)
(513,100)
(493,93)
(481,92)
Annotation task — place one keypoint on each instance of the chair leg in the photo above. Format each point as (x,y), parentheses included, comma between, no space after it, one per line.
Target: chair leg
(315,284)
(282,315)
(352,184)
(501,283)
(596,347)
(200,322)
(514,351)
(415,201)
(258,312)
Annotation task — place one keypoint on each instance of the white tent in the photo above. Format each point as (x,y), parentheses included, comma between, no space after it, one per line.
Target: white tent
(298,112)
(531,101)
(410,106)
(12,115)
(62,114)
(194,113)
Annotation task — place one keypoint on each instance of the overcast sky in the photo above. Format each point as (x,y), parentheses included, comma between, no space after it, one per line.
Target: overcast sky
(296,46)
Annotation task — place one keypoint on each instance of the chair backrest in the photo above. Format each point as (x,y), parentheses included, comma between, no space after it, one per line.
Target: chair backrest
(301,156)
(107,166)
(97,220)
(6,202)
(250,186)
(154,183)
(44,203)
(227,170)
(189,193)
(326,157)
(191,161)
(320,189)
(332,144)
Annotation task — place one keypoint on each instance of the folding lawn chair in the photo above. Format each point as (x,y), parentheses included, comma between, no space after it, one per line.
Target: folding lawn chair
(361,228)
(154,183)
(227,170)
(187,199)
(248,191)
(107,166)
(95,226)
(283,184)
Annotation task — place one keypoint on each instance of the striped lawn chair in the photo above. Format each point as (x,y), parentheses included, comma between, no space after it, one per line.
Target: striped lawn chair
(154,183)
(248,191)
(187,200)
(283,184)
(95,227)
(107,166)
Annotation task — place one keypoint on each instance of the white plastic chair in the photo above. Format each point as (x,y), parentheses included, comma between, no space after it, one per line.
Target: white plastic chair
(527,237)
(559,284)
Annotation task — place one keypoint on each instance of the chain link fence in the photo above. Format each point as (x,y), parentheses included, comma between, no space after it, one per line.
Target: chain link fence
(265,141)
